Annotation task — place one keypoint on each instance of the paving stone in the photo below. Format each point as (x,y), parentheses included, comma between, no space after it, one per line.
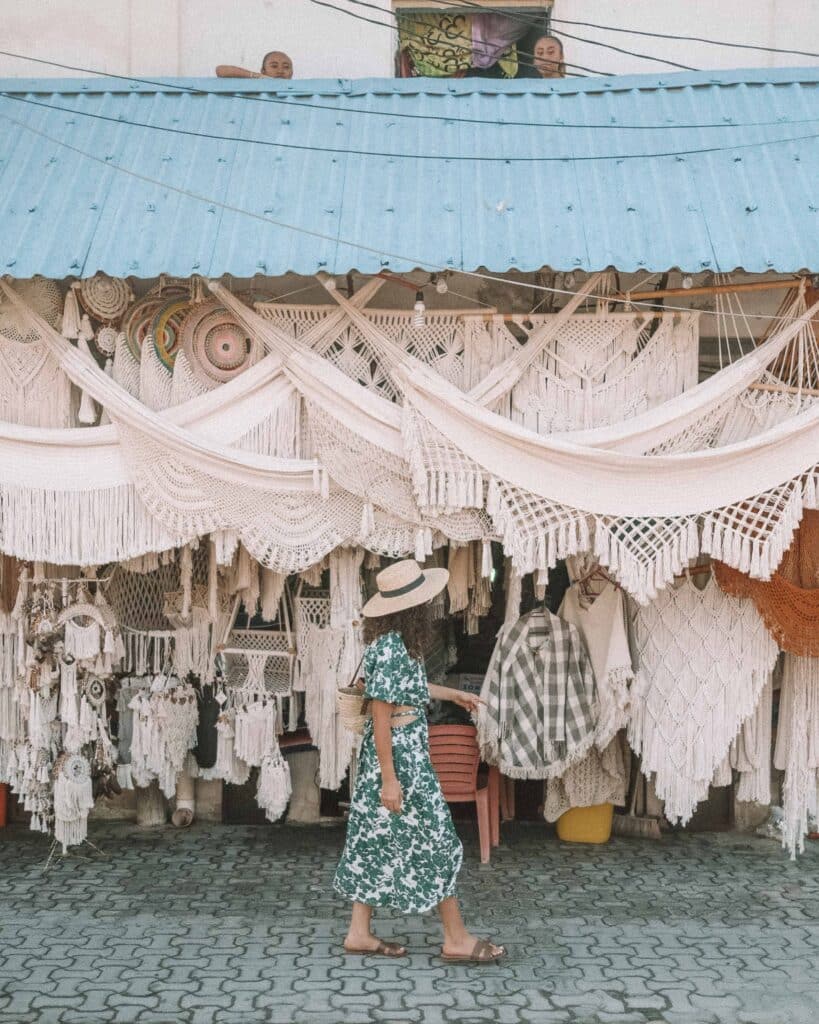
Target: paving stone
(707,929)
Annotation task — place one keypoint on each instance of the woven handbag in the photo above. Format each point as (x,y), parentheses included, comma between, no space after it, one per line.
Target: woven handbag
(352,706)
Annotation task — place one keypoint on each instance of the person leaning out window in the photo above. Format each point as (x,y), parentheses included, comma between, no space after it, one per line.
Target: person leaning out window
(275,65)
(548,57)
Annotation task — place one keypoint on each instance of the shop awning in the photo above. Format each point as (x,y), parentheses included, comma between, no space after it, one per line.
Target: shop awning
(699,171)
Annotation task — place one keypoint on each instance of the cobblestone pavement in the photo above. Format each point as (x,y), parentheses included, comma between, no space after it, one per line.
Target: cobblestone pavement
(234,925)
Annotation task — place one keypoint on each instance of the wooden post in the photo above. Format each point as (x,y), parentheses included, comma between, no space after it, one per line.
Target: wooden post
(151,808)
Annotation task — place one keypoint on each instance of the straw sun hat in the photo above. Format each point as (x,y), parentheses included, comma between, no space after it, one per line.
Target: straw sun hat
(404,585)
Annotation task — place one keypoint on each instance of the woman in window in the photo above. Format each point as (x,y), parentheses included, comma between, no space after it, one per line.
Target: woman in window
(402,850)
(548,54)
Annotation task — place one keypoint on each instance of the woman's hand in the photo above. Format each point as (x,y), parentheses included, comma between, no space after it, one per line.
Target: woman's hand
(391,795)
(469,701)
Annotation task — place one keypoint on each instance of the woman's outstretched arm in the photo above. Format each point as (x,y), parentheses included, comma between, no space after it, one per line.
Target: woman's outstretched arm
(470,701)
(230,71)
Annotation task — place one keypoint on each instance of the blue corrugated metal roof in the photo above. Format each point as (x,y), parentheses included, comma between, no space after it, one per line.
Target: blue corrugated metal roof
(207,205)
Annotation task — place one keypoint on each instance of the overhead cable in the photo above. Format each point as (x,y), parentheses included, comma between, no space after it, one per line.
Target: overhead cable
(428,265)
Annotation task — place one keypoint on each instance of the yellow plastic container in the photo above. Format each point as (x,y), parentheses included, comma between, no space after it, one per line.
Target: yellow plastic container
(586,824)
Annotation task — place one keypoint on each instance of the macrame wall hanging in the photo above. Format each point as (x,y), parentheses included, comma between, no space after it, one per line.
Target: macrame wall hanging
(73,799)
(606,368)
(34,390)
(274,789)
(797,748)
(704,659)
(164,730)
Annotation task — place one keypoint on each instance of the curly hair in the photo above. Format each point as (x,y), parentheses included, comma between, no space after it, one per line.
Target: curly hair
(413,624)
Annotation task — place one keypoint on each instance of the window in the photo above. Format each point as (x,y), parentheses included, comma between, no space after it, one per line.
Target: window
(476,39)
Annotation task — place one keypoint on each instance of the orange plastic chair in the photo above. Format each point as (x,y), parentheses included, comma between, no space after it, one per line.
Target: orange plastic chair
(455,756)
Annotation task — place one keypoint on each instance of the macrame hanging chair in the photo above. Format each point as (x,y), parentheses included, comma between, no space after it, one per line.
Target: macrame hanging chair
(264,658)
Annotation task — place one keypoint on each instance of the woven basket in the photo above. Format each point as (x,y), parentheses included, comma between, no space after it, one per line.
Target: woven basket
(353,708)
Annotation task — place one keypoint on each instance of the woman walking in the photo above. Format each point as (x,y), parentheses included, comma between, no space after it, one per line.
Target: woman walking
(402,850)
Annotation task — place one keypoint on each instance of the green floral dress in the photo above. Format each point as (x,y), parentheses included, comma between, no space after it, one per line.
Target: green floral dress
(407,861)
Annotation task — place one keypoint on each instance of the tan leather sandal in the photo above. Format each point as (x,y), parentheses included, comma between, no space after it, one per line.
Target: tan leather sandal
(392,949)
(481,954)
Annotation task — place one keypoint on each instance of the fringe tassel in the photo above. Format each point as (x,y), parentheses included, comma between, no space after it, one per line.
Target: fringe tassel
(79,527)
(71,314)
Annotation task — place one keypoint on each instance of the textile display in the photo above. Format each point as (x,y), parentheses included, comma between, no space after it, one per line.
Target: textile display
(58,649)
(607,369)
(789,601)
(541,708)
(703,661)
(797,748)
(750,753)
(601,776)
(602,625)
(164,730)
(544,494)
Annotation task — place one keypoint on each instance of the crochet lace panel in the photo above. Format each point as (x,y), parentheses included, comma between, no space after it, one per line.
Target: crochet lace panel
(704,659)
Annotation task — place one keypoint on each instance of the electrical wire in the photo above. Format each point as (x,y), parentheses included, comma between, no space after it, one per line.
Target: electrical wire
(533,21)
(629,53)
(581,39)
(449,158)
(289,102)
(691,39)
(429,266)
(418,35)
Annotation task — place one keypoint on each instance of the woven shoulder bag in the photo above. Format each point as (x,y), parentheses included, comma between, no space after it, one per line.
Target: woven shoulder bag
(352,706)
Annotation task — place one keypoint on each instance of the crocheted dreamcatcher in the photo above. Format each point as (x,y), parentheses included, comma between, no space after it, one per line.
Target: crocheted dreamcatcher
(93,689)
(215,344)
(106,340)
(73,799)
(105,298)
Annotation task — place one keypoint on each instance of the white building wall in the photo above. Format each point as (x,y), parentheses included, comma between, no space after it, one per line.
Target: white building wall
(190,37)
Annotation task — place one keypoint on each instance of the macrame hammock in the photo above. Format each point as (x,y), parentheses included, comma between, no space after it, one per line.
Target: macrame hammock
(545,495)
(645,553)
(789,601)
(605,368)
(355,432)
(138,499)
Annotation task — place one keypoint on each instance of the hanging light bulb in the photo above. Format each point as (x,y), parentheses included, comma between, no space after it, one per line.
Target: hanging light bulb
(441,287)
(419,311)
(687,282)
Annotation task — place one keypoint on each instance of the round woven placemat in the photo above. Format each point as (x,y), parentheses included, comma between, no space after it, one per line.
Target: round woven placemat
(105,298)
(137,321)
(165,328)
(217,347)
